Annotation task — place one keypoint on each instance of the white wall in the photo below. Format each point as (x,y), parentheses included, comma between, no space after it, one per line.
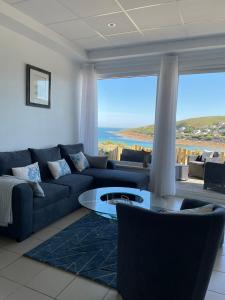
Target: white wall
(24,126)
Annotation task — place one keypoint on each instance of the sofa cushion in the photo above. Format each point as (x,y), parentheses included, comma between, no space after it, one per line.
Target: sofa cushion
(77,183)
(107,177)
(53,193)
(66,150)
(9,160)
(42,156)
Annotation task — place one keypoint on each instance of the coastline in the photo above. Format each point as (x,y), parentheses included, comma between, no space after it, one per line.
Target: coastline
(181,142)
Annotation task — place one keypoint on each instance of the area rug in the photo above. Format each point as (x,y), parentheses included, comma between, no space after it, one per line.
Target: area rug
(88,248)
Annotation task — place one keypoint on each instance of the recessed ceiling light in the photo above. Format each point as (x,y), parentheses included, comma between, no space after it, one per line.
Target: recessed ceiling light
(111,25)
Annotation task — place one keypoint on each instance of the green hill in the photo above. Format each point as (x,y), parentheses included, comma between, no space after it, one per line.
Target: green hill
(201,122)
(189,124)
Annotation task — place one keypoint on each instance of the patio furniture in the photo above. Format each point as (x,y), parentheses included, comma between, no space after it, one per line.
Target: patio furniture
(140,156)
(166,255)
(196,169)
(197,163)
(215,176)
(182,172)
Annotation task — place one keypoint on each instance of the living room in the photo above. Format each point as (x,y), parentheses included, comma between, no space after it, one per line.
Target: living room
(74,225)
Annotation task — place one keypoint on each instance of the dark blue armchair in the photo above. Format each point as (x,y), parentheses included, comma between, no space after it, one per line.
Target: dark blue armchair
(165,256)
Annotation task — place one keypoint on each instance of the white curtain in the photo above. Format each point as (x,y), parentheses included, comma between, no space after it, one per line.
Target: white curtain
(88,131)
(162,178)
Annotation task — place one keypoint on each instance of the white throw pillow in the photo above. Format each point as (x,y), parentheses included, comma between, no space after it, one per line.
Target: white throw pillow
(29,173)
(207,154)
(80,161)
(59,168)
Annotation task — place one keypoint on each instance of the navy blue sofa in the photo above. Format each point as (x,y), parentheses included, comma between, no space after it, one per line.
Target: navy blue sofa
(30,213)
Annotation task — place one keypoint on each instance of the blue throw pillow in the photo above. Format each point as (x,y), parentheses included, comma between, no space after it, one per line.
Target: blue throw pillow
(59,168)
(80,161)
(29,173)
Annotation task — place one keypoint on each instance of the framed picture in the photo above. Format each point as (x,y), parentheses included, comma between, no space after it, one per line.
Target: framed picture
(38,87)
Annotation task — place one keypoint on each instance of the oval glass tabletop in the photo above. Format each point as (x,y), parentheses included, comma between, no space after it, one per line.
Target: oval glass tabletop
(103,200)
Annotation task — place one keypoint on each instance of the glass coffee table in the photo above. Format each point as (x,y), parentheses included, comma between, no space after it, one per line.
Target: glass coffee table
(103,200)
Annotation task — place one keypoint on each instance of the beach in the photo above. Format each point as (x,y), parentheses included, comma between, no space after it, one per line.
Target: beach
(179,142)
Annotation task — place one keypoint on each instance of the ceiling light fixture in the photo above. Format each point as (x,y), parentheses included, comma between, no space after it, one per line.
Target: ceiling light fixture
(111,25)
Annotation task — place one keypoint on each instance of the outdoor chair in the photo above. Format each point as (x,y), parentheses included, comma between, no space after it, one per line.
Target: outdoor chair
(215,176)
(135,156)
(167,255)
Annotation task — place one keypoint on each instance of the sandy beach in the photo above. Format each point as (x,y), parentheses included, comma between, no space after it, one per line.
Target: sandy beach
(181,142)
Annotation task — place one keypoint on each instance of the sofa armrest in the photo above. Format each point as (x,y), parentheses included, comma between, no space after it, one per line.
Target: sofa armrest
(22,208)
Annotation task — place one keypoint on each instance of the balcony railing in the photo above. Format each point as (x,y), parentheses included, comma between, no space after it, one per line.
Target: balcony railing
(114,152)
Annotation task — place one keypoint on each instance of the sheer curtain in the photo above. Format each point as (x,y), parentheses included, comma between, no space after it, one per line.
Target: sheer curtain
(163,181)
(88,131)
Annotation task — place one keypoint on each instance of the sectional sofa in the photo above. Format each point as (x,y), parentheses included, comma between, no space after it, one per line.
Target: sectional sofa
(30,213)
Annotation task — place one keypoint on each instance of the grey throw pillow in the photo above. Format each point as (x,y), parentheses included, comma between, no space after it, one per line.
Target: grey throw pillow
(98,162)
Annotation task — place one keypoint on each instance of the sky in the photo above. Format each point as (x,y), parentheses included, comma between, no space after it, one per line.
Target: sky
(130,102)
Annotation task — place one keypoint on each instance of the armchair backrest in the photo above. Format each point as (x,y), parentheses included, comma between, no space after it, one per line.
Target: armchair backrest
(135,155)
(165,255)
(214,171)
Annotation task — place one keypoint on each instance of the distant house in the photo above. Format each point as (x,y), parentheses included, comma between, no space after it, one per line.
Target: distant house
(181,129)
(206,131)
(196,131)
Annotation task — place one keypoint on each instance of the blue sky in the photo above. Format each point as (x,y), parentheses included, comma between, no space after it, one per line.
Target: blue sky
(130,102)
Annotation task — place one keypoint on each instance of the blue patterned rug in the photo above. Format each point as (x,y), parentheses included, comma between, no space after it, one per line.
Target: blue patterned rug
(88,248)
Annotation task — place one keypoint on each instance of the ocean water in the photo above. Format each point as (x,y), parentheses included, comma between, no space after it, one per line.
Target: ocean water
(110,134)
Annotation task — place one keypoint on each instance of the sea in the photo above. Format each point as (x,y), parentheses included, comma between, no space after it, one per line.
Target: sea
(111,134)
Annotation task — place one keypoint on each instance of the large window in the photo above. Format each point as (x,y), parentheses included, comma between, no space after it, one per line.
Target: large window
(201,112)
(126,113)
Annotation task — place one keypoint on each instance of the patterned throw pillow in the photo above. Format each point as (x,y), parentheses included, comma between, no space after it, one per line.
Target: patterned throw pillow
(29,173)
(59,168)
(80,161)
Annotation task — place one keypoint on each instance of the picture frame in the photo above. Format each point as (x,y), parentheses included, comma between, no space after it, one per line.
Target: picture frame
(38,87)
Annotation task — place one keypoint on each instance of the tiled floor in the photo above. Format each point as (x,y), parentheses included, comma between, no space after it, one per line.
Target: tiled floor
(24,279)
(193,188)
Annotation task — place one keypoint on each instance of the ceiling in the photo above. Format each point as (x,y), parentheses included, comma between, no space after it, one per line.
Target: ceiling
(85,22)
